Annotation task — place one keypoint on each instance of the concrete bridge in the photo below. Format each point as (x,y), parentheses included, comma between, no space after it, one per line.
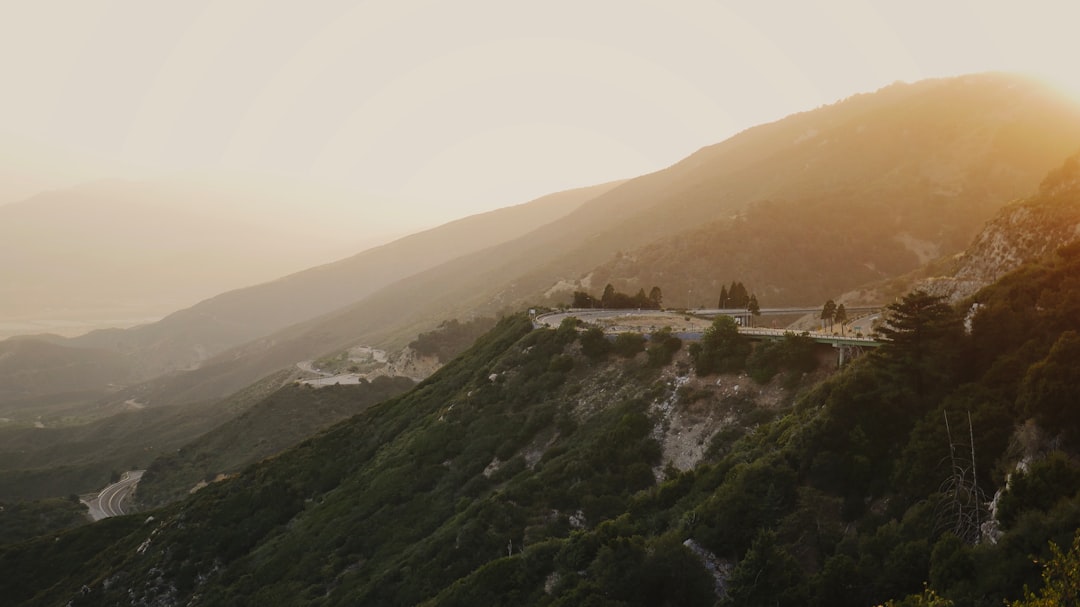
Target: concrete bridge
(622,321)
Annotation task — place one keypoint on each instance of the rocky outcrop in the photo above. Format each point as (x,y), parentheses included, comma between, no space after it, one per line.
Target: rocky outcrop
(1021,232)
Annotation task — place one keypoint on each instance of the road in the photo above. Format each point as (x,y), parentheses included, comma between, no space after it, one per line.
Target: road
(308,367)
(638,320)
(114,500)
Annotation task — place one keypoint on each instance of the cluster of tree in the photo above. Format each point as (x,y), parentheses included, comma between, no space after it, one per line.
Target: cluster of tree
(661,346)
(451,338)
(834,314)
(617,300)
(723,349)
(737,297)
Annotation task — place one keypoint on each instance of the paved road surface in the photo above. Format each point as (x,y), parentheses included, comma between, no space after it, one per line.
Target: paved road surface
(307,366)
(115,499)
(553,320)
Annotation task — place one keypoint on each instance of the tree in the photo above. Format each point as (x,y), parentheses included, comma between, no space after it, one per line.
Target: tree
(656,297)
(722,304)
(594,344)
(767,575)
(608,298)
(721,349)
(1051,389)
(583,300)
(662,346)
(921,334)
(738,297)
(627,345)
(828,313)
(753,306)
(840,316)
(1061,579)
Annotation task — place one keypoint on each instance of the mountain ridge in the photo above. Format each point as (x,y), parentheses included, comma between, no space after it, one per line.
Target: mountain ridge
(957,161)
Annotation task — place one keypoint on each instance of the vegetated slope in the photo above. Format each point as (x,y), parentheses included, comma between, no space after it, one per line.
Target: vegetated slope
(825,200)
(279,421)
(185,338)
(524,472)
(21,521)
(32,368)
(59,460)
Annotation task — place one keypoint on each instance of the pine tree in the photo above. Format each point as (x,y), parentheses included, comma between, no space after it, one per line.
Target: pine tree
(737,295)
(921,334)
(641,300)
(656,297)
(608,298)
(828,313)
(840,316)
(723,303)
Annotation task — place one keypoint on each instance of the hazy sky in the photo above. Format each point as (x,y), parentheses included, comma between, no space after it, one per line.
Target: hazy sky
(469,105)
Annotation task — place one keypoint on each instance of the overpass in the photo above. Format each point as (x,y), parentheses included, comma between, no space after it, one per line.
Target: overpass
(736,312)
(684,325)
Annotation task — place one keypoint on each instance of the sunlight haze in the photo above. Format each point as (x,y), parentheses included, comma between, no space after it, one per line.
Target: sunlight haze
(462,107)
(320,129)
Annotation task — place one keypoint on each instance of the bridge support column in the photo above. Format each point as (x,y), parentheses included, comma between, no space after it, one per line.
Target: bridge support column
(841,352)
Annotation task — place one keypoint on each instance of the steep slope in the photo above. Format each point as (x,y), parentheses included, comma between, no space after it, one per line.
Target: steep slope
(30,368)
(274,424)
(1019,233)
(80,448)
(814,204)
(526,472)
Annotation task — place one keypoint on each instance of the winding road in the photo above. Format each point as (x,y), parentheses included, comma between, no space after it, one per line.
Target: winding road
(114,500)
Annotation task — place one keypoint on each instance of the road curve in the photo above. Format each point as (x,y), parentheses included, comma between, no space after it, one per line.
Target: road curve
(114,499)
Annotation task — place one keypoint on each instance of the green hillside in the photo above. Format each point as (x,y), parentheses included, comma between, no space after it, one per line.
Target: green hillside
(60,460)
(277,422)
(527,472)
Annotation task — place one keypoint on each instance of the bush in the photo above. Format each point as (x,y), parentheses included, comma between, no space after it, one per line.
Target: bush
(629,345)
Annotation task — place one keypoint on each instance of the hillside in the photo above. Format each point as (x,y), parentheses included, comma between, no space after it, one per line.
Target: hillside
(279,421)
(535,469)
(82,447)
(873,185)
(32,368)
(116,252)
(1021,232)
(185,338)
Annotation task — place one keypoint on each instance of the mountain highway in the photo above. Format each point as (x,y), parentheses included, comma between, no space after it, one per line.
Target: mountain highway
(114,500)
(678,320)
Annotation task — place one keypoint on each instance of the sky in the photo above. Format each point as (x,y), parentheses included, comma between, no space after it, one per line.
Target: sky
(435,110)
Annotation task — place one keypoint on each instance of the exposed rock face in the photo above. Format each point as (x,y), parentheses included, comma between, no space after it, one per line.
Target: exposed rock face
(1021,232)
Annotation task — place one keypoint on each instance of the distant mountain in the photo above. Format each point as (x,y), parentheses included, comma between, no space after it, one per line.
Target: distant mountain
(799,209)
(31,368)
(31,166)
(120,252)
(186,338)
